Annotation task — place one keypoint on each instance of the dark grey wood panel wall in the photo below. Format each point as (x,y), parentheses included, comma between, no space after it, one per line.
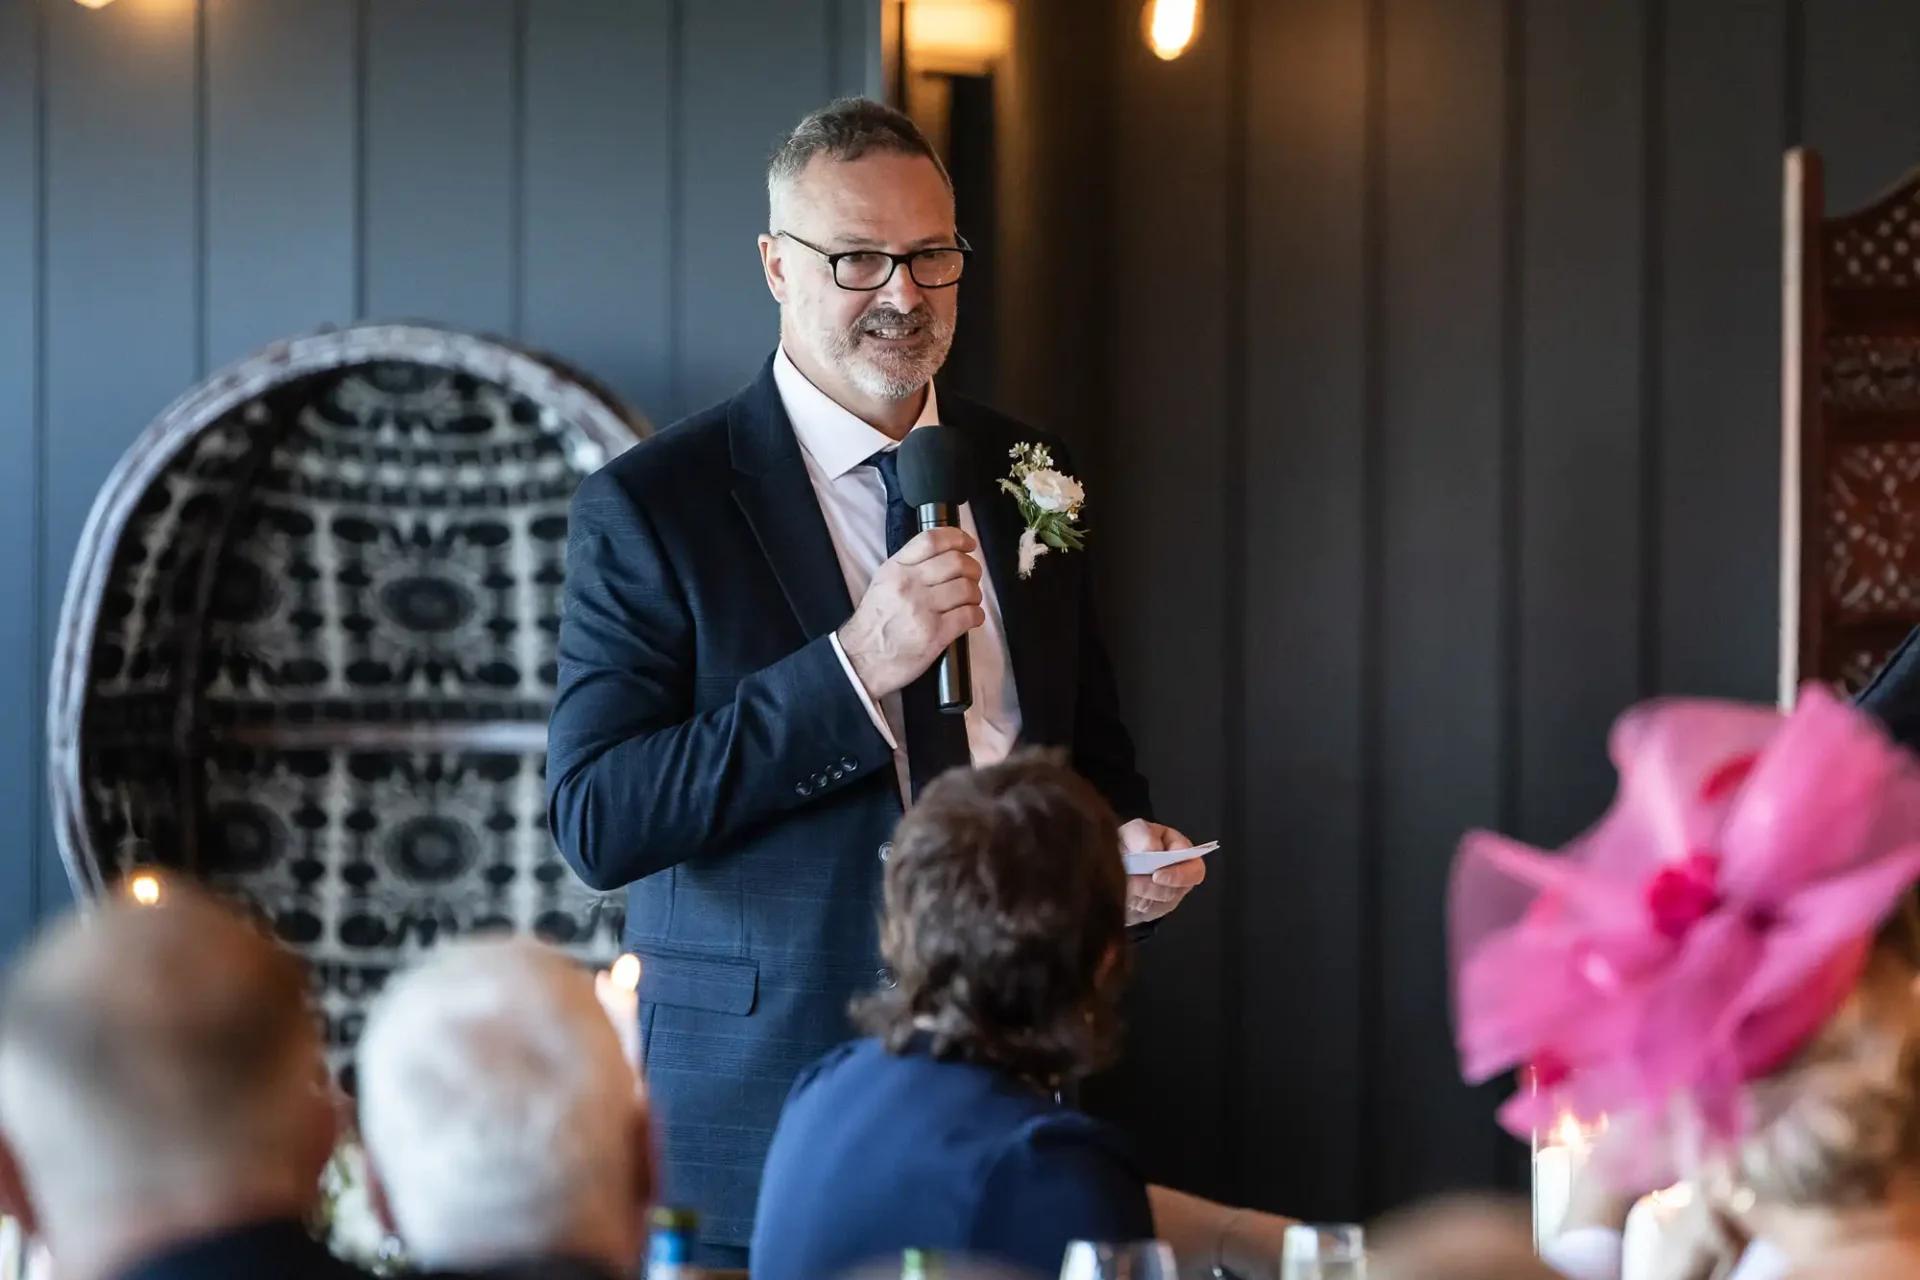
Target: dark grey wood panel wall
(183,181)
(1436,421)
(1425,353)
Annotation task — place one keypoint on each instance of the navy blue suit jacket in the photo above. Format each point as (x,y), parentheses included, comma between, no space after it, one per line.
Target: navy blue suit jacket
(707,749)
(878,1152)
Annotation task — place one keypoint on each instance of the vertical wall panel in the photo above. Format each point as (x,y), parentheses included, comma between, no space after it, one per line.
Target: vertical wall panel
(1301,895)
(1579,317)
(1055,259)
(1167,442)
(598,143)
(280,171)
(1862,87)
(1719,407)
(856,49)
(1443,493)
(439,162)
(122,314)
(749,72)
(22,772)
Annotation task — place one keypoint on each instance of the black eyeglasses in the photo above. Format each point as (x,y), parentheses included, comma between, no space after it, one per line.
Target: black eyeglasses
(864,270)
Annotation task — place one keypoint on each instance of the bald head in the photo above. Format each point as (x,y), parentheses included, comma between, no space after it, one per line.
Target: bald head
(150,1055)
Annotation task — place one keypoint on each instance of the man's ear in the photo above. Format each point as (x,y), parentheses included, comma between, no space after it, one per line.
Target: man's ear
(774,264)
(14,1200)
(377,1195)
(327,1114)
(640,1134)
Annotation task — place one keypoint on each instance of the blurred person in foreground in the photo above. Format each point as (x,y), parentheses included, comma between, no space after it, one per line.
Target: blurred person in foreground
(505,1130)
(1005,929)
(165,1108)
(1468,1238)
(1725,967)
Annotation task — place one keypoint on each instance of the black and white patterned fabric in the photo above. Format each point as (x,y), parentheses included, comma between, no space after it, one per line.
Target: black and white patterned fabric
(322,665)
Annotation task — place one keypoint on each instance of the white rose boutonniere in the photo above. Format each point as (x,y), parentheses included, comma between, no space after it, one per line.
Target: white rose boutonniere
(1050,503)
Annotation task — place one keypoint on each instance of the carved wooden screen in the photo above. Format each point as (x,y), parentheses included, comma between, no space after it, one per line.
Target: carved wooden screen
(1850,493)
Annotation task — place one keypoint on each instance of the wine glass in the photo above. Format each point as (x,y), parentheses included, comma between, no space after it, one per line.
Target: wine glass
(1138,1260)
(1334,1251)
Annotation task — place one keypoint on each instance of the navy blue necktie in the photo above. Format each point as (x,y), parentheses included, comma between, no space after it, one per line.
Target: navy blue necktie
(936,740)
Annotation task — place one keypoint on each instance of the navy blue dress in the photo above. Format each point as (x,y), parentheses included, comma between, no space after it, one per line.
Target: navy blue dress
(877,1152)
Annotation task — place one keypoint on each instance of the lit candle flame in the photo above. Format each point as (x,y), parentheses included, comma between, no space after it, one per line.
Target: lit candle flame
(1678,1196)
(1171,25)
(144,888)
(626,972)
(1569,1132)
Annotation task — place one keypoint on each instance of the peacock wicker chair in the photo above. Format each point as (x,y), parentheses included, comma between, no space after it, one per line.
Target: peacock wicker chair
(306,653)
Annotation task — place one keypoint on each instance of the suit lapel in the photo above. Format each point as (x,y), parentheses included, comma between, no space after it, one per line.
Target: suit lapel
(773,490)
(997,518)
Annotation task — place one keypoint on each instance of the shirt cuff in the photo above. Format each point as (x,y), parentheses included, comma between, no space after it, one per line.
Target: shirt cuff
(1584,1253)
(866,700)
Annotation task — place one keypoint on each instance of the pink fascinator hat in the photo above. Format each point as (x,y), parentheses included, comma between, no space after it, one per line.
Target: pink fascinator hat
(1690,943)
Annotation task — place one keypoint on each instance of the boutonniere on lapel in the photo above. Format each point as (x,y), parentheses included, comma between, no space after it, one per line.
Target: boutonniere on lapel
(1050,503)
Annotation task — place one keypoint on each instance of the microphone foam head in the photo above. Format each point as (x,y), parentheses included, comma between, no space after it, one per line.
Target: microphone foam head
(933,466)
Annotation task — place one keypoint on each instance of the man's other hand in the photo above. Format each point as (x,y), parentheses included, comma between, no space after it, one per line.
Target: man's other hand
(1151,896)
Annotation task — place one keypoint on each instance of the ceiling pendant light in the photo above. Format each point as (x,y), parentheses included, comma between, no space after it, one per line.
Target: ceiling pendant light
(1170,26)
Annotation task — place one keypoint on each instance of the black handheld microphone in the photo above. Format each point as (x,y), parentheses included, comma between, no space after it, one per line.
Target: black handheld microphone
(933,471)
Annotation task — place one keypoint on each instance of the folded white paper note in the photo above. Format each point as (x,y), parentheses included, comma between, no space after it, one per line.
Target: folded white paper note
(1140,864)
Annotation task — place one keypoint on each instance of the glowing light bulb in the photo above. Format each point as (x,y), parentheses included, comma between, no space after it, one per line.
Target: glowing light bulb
(145,887)
(1170,26)
(95,4)
(626,972)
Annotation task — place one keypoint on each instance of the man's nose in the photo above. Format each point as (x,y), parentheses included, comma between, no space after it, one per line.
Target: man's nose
(901,292)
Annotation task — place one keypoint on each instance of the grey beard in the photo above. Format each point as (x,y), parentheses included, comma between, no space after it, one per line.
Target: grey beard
(891,383)
(896,377)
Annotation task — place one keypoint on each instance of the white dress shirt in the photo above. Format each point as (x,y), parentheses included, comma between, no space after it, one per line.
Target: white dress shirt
(853,499)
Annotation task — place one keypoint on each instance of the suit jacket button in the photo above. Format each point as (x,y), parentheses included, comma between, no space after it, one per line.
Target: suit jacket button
(885,848)
(886,979)
(804,788)
(848,765)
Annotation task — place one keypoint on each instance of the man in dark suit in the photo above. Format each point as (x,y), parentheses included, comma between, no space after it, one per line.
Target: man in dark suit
(746,697)
(162,1098)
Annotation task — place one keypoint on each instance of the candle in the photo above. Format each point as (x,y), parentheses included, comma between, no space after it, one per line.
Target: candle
(144,888)
(1558,1158)
(1643,1243)
(619,991)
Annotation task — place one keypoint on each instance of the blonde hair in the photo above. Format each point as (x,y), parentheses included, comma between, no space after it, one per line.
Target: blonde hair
(1840,1123)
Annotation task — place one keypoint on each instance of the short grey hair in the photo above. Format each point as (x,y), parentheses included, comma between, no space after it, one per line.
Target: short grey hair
(147,1052)
(492,1090)
(845,130)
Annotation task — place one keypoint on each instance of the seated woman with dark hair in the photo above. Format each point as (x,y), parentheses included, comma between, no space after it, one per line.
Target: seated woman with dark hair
(1005,933)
